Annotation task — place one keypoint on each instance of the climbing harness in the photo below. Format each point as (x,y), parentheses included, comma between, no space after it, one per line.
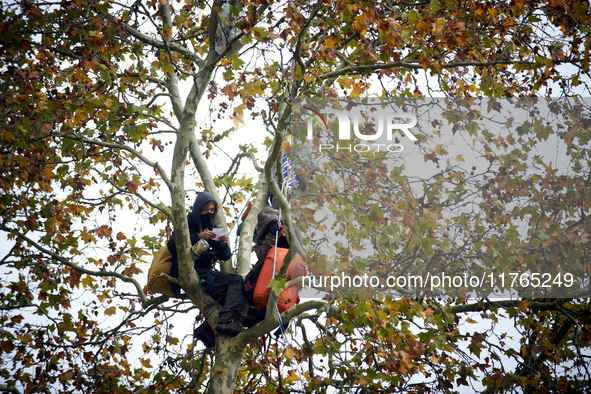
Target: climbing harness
(208,284)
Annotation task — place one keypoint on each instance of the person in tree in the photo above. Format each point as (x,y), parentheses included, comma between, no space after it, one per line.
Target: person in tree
(222,286)
(271,233)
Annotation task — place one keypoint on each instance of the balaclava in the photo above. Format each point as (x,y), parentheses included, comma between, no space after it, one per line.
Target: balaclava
(207,220)
(198,222)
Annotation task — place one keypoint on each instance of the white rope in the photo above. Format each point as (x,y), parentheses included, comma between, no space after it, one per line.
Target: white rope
(281,328)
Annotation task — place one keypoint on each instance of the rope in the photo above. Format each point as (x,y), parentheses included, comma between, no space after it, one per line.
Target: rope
(280,320)
(278,365)
(286,339)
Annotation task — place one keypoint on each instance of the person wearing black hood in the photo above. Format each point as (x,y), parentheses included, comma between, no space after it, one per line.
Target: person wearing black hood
(271,233)
(224,286)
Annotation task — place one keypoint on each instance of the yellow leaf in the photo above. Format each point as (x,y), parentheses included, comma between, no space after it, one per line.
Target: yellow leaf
(290,353)
(259,87)
(166,32)
(440,150)
(423,28)
(360,21)
(346,81)
(240,109)
(80,210)
(358,89)
(86,281)
(330,42)
(146,363)
(362,380)
(292,377)
(25,338)
(8,137)
(110,311)
(66,376)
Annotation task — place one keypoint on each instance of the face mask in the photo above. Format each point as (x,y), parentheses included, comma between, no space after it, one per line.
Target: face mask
(207,220)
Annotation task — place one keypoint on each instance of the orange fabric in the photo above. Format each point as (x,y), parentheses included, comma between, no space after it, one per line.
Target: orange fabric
(288,297)
(161,263)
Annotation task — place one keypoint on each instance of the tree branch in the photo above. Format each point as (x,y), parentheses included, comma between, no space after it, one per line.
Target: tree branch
(417,66)
(126,148)
(57,257)
(487,305)
(161,207)
(298,46)
(245,243)
(236,162)
(162,45)
(271,321)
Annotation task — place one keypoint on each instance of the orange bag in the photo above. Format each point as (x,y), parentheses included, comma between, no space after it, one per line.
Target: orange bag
(289,296)
(162,263)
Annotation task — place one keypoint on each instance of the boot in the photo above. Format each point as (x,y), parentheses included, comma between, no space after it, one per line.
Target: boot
(229,324)
(251,317)
(205,334)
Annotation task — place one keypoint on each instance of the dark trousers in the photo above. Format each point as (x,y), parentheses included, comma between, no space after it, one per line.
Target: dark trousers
(226,287)
(251,281)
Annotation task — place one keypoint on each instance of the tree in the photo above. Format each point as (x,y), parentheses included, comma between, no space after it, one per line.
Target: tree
(98,95)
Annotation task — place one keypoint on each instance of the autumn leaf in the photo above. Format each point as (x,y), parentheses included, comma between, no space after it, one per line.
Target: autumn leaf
(230,90)
(132,186)
(103,231)
(66,376)
(110,311)
(146,363)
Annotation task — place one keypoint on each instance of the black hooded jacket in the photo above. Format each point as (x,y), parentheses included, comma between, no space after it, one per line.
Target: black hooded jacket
(207,258)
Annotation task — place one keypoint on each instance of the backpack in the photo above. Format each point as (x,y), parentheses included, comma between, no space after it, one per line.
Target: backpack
(289,296)
(161,263)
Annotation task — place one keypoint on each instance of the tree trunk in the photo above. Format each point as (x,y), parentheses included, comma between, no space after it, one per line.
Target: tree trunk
(244,248)
(228,357)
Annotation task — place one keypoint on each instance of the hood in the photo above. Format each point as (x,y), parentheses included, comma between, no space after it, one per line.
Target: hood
(267,216)
(194,218)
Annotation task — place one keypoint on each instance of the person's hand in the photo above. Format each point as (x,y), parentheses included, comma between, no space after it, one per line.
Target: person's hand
(224,239)
(207,234)
(281,230)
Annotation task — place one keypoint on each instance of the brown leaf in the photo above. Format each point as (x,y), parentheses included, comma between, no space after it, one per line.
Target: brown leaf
(132,186)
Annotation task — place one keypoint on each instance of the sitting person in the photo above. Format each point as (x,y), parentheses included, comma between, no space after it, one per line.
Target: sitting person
(270,232)
(224,286)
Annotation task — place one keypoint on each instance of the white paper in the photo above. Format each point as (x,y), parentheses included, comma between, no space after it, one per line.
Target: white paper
(219,232)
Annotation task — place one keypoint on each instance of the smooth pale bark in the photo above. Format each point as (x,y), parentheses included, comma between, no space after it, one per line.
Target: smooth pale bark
(244,249)
(228,357)
(186,142)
